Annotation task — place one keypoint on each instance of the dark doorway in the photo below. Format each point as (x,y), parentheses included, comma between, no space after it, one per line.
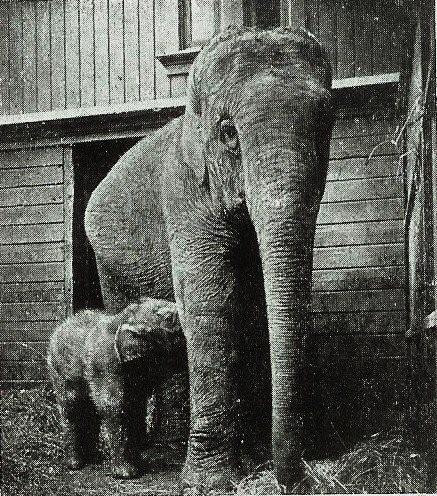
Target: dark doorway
(92,161)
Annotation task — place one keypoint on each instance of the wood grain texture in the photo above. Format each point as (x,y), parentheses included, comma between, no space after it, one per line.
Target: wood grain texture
(101,38)
(44,251)
(166,40)
(30,102)
(4,59)
(328,31)
(68,230)
(32,311)
(43,56)
(57,56)
(147,61)
(359,211)
(31,177)
(369,300)
(293,13)
(364,34)
(116,55)
(345,39)
(33,195)
(372,255)
(361,168)
(16,58)
(24,234)
(22,371)
(358,278)
(72,54)
(332,323)
(359,233)
(362,146)
(17,331)
(363,189)
(31,158)
(24,351)
(31,214)
(365,125)
(53,271)
(131,51)
(86,52)
(31,292)
(358,346)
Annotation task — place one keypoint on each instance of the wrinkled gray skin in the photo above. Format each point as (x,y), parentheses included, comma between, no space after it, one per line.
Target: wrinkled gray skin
(221,199)
(103,368)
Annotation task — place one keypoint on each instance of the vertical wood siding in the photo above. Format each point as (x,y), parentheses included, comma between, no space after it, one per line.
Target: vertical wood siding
(70,53)
(34,292)
(362,38)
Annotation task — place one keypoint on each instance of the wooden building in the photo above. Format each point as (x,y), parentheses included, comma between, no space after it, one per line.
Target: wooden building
(81,80)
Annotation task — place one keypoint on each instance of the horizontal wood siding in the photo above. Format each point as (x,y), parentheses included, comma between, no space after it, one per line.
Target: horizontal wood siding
(359,307)
(33,295)
(80,53)
(359,254)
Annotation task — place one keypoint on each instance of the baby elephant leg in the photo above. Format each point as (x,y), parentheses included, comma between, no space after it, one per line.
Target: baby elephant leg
(108,395)
(80,425)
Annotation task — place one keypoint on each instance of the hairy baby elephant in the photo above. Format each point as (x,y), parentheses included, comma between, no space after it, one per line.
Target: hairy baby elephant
(104,368)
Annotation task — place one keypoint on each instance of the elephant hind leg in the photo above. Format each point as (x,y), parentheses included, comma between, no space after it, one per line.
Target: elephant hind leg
(115,298)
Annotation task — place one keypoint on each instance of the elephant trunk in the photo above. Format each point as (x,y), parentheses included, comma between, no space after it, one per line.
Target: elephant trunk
(283,205)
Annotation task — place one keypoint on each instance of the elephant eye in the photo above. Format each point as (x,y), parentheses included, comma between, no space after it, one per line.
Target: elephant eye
(228,134)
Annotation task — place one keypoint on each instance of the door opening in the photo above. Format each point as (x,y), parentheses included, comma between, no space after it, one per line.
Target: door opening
(92,161)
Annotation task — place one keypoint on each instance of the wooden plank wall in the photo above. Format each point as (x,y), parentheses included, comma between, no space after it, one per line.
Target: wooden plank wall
(78,53)
(359,308)
(75,53)
(361,38)
(35,289)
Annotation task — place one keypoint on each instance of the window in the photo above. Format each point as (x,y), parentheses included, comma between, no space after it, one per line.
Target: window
(199,20)
(261,13)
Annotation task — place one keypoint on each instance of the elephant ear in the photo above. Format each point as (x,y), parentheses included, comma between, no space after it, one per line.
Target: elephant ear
(131,341)
(193,147)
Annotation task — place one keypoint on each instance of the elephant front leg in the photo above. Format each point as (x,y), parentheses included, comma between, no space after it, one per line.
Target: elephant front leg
(112,407)
(207,310)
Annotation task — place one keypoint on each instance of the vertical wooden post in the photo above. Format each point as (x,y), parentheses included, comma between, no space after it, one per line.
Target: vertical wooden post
(68,230)
(433,124)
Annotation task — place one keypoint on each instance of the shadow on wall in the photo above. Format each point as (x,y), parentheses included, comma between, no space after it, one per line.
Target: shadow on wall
(91,163)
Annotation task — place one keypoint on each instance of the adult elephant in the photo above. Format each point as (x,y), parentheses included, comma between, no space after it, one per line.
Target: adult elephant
(238,178)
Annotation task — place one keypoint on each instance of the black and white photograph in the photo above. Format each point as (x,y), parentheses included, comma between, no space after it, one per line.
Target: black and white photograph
(218,247)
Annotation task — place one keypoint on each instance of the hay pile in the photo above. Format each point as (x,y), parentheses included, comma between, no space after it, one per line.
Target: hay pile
(31,446)
(32,454)
(381,464)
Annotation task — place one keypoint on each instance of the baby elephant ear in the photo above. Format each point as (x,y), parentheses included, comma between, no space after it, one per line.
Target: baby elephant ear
(169,317)
(131,341)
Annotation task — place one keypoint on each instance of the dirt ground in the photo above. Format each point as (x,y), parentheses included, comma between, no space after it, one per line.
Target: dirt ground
(32,456)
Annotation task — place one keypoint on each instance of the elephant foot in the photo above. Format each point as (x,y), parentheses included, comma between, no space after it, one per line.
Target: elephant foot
(201,481)
(75,462)
(125,470)
(293,480)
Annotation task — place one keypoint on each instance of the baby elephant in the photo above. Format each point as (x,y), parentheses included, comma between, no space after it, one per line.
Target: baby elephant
(104,368)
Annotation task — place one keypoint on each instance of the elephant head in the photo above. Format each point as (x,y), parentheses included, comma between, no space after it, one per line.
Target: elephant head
(149,329)
(256,135)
